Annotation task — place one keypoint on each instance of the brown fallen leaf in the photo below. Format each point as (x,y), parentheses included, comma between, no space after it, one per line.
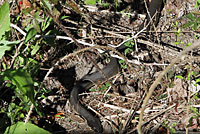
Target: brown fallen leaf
(177,92)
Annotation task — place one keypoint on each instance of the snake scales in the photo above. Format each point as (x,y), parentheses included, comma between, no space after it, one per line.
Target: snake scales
(111,69)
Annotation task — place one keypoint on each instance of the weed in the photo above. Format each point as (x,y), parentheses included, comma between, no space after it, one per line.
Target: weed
(169,127)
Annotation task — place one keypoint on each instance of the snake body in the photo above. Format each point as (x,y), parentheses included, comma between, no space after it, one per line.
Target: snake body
(85,83)
(110,70)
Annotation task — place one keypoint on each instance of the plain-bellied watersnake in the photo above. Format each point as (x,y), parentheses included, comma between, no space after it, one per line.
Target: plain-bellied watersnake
(110,70)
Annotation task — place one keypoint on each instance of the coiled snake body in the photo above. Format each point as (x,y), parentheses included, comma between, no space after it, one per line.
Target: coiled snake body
(110,70)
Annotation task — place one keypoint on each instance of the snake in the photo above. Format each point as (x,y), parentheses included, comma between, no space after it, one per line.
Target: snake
(113,67)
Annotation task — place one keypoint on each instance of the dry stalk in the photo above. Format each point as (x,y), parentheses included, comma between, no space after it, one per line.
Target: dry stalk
(153,86)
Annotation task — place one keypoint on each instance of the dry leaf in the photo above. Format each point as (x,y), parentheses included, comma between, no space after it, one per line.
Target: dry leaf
(177,92)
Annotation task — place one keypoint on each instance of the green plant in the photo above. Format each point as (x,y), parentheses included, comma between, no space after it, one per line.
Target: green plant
(116,4)
(25,128)
(169,127)
(197,4)
(122,64)
(102,87)
(5,45)
(193,18)
(193,21)
(177,32)
(19,75)
(191,78)
(195,111)
(195,115)
(129,49)
(94,2)
(90,2)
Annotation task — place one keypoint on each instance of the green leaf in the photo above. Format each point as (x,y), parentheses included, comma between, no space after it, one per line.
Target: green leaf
(31,33)
(107,84)
(36,26)
(197,80)
(72,4)
(188,24)
(198,19)
(176,43)
(37,17)
(56,13)
(47,5)
(90,2)
(128,51)
(122,64)
(129,43)
(22,80)
(196,97)
(176,23)
(195,26)
(54,1)
(179,31)
(46,23)
(4,66)
(180,77)
(104,5)
(197,4)
(6,45)
(4,19)
(190,74)
(64,17)
(92,90)
(3,49)
(35,49)
(189,44)
(25,128)
(190,16)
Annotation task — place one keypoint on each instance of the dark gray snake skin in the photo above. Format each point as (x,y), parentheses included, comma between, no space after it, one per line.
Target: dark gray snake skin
(110,70)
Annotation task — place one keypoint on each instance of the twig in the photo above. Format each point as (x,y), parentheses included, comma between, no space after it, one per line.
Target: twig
(127,110)
(133,37)
(131,115)
(188,102)
(153,86)
(29,114)
(110,117)
(137,62)
(110,86)
(101,51)
(165,110)
(95,9)
(16,54)
(18,29)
